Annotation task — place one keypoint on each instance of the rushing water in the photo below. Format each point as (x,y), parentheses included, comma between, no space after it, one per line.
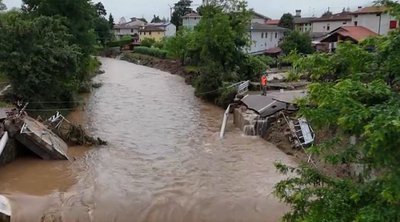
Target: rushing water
(164,161)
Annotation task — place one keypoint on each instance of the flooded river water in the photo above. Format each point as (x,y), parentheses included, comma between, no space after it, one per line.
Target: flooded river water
(164,161)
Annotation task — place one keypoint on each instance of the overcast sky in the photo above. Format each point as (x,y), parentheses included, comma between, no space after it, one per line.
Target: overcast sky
(270,8)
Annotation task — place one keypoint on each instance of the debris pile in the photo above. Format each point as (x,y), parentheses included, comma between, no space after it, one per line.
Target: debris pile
(47,139)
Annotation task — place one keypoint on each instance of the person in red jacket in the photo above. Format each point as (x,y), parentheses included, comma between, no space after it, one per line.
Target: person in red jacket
(264,81)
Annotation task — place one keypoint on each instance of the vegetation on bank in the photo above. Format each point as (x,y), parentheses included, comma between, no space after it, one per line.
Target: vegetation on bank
(356,94)
(46,50)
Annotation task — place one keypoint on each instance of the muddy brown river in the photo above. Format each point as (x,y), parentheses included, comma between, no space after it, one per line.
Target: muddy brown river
(164,161)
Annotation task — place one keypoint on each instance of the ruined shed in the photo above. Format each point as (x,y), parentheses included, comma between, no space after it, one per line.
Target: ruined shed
(274,102)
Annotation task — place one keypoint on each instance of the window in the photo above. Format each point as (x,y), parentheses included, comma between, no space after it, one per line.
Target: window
(393,24)
(262,35)
(355,23)
(266,35)
(355,16)
(149,33)
(276,35)
(144,33)
(328,27)
(344,23)
(131,30)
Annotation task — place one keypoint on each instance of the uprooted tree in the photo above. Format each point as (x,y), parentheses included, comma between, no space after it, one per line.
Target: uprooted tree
(356,95)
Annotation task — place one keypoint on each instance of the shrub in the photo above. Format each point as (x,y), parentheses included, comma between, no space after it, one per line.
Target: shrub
(251,68)
(121,42)
(151,52)
(147,42)
(159,44)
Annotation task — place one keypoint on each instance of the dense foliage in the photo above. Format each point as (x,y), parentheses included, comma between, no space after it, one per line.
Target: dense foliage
(49,44)
(356,94)
(151,52)
(181,8)
(287,21)
(295,40)
(37,57)
(147,42)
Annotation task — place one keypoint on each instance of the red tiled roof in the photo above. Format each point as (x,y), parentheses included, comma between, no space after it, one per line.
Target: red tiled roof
(357,33)
(273,22)
(273,50)
(371,10)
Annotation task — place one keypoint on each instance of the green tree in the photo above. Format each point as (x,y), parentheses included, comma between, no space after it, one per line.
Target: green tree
(78,18)
(296,40)
(101,11)
(179,45)
(156,19)
(361,102)
(182,7)
(37,57)
(221,37)
(111,21)
(287,21)
(103,30)
(147,42)
(143,20)
(2,6)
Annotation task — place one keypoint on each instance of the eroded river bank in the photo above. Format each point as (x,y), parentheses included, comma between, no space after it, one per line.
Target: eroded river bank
(164,160)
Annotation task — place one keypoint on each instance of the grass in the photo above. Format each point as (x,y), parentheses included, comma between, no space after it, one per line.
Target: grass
(192,69)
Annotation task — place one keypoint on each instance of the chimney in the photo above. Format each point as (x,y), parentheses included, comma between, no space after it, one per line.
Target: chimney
(298,13)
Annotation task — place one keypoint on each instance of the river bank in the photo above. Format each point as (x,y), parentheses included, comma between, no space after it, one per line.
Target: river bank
(164,160)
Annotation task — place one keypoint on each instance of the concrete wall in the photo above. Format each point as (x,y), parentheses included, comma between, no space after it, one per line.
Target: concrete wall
(263,40)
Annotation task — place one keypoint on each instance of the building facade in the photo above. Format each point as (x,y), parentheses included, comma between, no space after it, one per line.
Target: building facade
(302,24)
(375,18)
(326,24)
(191,20)
(264,37)
(157,31)
(130,28)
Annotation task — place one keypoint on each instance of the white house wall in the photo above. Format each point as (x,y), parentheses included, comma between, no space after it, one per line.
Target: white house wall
(190,22)
(321,26)
(262,42)
(374,23)
(170,30)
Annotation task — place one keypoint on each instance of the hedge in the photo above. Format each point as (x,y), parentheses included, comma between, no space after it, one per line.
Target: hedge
(151,52)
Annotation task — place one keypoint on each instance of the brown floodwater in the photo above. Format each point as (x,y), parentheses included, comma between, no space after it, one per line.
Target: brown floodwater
(164,160)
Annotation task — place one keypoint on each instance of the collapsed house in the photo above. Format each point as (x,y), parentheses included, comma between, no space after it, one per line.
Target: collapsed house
(254,114)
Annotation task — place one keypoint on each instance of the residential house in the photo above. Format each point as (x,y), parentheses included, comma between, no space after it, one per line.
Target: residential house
(157,31)
(375,18)
(273,22)
(326,24)
(265,37)
(130,28)
(190,20)
(354,34)
(259,18)
(302,24)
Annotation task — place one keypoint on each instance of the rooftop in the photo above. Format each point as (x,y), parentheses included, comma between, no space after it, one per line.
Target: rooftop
(300,20)
(273,22)
(265,27)
(371,10)
(343,16)
(192,15)
(357,33)
(258,15)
